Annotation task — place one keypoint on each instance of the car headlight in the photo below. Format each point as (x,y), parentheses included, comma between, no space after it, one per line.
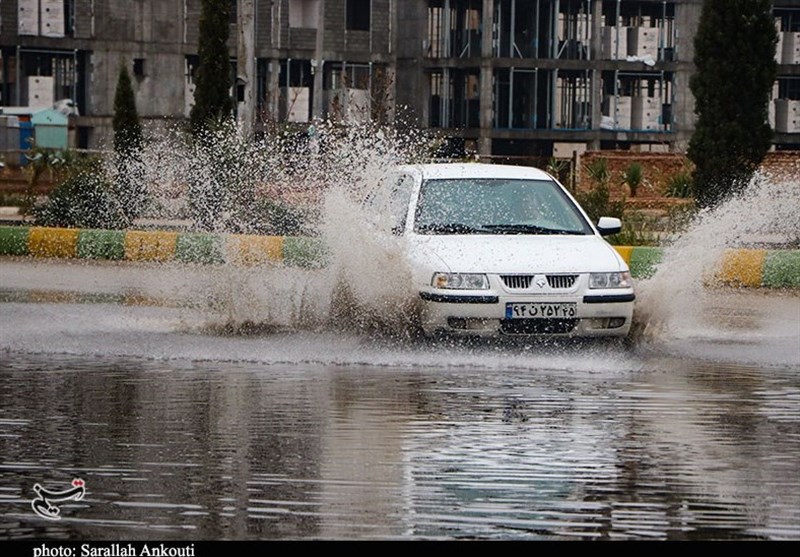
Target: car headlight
(610,280)
(460,281)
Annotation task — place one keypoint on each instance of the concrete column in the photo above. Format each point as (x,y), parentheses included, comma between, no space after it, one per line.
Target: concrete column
(595,91)
(318,65)
(273,89)
(687,17)
(246,64)
(486,91)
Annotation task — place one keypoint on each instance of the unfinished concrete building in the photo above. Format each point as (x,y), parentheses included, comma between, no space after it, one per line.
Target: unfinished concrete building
(292,60)
(497,77)
(551,77)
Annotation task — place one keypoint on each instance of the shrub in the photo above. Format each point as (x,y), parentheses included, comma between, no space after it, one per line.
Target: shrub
(636,231)
(598,171)
(597,201)
(561,169)
(680,185)
(633,177)
(83,200)
(278,219)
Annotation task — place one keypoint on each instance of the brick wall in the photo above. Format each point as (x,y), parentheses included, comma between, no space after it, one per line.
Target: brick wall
(334,25)
(658,168)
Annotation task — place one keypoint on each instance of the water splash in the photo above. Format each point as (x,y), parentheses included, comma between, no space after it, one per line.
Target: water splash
(308,183)
(230,184)
(766,215)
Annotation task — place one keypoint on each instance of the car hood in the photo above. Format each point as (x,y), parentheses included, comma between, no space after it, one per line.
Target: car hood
(516,253)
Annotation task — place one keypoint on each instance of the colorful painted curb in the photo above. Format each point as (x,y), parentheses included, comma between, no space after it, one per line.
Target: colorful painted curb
(138,245)
(739,267)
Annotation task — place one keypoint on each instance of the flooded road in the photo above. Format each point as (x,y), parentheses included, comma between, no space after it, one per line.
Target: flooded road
(181,432)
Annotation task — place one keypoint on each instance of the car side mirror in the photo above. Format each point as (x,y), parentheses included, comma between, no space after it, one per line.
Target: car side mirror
(608,226)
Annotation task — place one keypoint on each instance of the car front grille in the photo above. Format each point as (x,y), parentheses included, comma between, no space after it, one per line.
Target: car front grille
(561,281)
(537,326)
(517,281)
(523,282)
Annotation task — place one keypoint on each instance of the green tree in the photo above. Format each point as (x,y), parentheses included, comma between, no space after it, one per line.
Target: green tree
(735,71)
(212,99)
(127,184)
(127,129)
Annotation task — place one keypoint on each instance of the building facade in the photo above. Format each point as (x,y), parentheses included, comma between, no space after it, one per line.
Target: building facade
(497,77)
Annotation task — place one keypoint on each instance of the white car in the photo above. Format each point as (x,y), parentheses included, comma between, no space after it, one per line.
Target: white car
(505,250)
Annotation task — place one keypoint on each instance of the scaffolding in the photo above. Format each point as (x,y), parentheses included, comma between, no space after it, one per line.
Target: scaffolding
(454,98)
(43,76)
(347,89)
(533,90)
(637,101)
(639,30)
(454,29)
(543,29)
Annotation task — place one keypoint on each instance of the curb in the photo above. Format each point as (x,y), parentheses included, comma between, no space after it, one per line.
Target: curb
(738,267)
(138,245)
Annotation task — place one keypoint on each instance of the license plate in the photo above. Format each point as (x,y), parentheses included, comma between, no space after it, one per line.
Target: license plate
(535,310)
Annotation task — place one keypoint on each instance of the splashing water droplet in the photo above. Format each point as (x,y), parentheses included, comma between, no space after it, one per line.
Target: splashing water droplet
(765,216)
(288,184)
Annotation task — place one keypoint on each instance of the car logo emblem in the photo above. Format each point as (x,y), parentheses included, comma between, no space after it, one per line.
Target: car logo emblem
(541,282)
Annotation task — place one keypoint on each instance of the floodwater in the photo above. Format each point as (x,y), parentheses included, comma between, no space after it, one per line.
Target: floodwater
(181,431)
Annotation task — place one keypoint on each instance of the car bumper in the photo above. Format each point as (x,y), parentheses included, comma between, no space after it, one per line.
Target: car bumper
(601,313)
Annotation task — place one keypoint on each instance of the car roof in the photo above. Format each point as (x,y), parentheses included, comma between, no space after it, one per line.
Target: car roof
(476,170)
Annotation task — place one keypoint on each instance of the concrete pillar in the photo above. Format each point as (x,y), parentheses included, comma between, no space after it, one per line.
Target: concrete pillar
(486,93)
(687,17)
(318,65)
(273,89)
(246,65)
(595,91)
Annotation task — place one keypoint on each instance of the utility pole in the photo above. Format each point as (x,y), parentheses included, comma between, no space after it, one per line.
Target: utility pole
(246,65)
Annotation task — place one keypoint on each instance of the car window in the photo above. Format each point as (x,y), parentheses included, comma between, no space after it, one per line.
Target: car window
(496,206)
(388,203)
(399,198)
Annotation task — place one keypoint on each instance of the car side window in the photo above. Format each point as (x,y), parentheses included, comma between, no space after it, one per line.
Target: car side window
(397,206)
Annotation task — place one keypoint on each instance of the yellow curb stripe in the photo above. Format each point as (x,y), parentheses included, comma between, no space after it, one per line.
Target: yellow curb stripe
(150,246)
(625,252)
(254,250)
(53,242)
(742,267)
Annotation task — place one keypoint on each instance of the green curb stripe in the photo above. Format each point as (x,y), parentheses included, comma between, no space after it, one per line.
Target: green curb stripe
(101,244)
(644,261)
(199,248)
(304,252)
(14,240)
(781,269)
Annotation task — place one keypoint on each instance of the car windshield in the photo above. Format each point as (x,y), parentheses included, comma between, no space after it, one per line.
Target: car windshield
(496,206)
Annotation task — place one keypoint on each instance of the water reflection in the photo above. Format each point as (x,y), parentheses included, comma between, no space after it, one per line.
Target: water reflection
(180,450)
